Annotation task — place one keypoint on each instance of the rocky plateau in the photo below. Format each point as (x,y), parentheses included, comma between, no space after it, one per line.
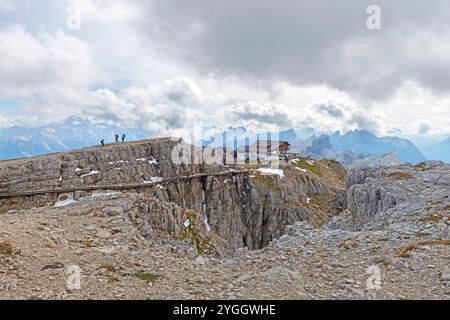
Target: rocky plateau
(125,222)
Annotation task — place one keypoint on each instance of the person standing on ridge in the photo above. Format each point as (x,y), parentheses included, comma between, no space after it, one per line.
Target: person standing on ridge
(103,142)
(117,138)
(123,137)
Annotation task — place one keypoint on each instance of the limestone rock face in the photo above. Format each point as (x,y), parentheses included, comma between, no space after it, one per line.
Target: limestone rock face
(116,164)
(375,193)
(359,176)
(191,238)
(367,200)
(243,208)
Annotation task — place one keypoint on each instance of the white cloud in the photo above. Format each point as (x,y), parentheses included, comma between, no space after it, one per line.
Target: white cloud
(47,70)
(105,12)
(7,5)
(29,64)
(145,64)
(412,106)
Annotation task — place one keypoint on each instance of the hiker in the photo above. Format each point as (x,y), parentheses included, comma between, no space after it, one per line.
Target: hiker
(103,142)
(123,137)
(117,138)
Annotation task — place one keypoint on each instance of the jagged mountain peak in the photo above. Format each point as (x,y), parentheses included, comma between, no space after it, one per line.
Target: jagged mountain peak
(364,142)
(69,133)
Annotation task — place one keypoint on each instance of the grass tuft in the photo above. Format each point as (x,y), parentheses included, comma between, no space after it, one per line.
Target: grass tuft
(148,277)
(404,252)
(6,248)
(432,218)
(400,176)
(108,266)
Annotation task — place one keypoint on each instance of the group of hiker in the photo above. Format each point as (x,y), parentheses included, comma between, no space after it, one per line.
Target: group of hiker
(117,139)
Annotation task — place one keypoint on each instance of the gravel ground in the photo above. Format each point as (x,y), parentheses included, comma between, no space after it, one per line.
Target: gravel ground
(401,253)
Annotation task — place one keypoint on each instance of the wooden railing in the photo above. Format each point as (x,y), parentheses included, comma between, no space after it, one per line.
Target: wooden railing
(121,186)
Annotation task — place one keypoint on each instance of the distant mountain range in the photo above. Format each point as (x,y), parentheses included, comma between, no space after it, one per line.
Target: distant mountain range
(440,151)
(355,148)
(74,132)
(352,148)
(236,137)
(322,147)
(363,142)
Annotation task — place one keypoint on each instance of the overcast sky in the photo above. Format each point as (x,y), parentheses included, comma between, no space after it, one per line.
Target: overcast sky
(168,65)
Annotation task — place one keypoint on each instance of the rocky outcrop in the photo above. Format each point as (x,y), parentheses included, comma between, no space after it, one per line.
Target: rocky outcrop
(359,176)
(111,165)
(250,211)
(156,243)
(366,200)
(374,193)
(246,208)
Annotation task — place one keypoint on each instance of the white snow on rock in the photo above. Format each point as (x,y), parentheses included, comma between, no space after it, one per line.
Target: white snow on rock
(141,159)
(302,170)
(78,170)
(154,180)
(89,174)
(270,171)
(104,194)
(153,162)
(205,218)
(64,203)
(311,162)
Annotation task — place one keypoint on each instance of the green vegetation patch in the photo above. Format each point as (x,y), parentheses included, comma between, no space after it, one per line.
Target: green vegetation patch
(203,246)
(404,251)
(421,166)
(400,176)
(268,181)
(311,167)
(148,277)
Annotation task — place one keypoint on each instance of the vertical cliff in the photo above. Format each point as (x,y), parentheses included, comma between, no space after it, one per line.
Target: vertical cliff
(243,206)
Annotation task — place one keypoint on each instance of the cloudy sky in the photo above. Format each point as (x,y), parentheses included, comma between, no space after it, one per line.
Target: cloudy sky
(169,65)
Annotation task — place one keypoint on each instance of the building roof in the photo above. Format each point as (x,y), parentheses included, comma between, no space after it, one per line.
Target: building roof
(265,145)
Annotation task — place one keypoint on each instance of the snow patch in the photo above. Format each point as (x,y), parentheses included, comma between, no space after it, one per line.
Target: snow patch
(105,194)
(89,174)
(64,203)
(153,162)
(205,218)
(302,170)
(270,171)
(153,180)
